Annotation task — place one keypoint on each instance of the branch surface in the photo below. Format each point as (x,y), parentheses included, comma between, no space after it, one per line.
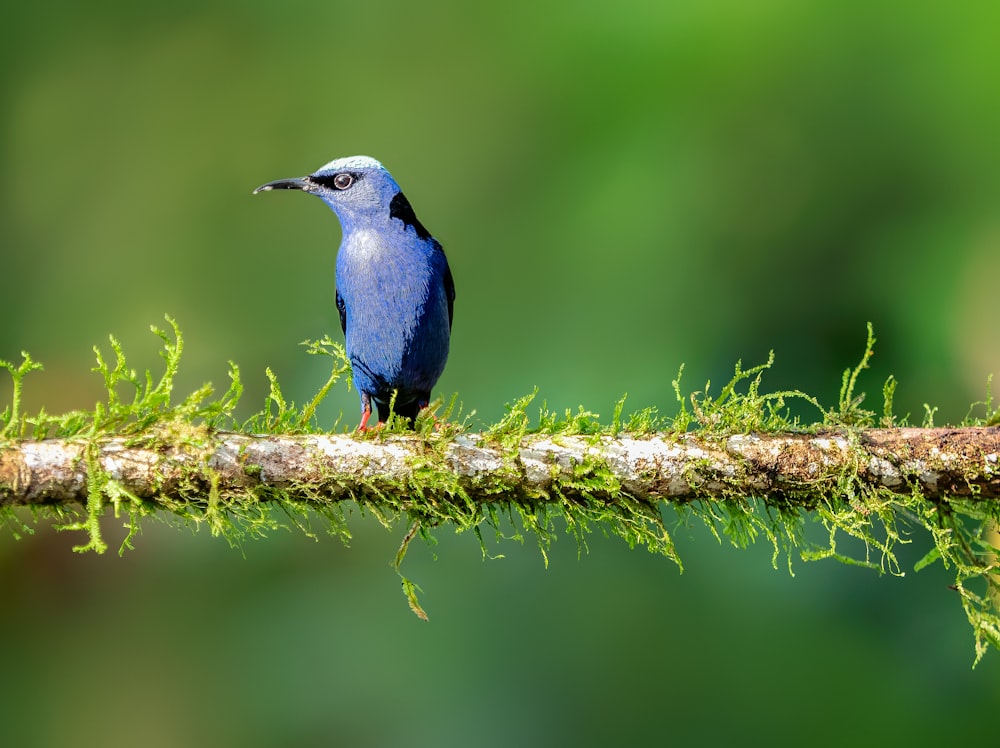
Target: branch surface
(796,469)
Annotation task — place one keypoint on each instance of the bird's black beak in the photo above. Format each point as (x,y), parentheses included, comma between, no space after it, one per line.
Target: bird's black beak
(301,183)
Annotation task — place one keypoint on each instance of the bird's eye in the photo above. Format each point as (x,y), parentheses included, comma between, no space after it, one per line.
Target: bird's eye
(343,181)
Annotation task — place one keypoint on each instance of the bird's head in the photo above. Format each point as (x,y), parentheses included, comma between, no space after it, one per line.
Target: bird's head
(358,188)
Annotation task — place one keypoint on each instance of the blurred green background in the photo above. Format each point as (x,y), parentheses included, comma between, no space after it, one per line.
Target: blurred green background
(620,188)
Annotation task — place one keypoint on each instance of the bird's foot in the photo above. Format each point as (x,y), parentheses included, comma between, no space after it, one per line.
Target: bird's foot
(435,423)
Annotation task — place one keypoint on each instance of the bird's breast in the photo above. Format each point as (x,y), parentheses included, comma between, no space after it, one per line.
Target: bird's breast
(388,282)
(396,309)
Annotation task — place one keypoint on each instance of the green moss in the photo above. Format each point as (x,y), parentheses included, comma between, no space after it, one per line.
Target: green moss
(860,523)
(11,418)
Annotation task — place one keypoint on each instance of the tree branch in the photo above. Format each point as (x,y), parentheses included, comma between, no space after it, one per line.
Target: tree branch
(855,482)
(150,456)
(785,469)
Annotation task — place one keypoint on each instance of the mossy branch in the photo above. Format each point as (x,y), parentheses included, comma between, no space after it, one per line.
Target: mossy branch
(426,471)
(736,461)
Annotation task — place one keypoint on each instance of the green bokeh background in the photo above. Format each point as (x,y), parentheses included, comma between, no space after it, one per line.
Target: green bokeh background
(620,188)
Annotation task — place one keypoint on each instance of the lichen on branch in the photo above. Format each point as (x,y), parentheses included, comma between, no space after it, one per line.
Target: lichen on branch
(783,469)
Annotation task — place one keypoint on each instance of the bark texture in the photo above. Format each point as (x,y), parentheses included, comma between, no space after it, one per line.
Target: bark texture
(787,468)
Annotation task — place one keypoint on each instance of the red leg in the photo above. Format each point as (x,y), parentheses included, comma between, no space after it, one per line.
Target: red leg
(366,411)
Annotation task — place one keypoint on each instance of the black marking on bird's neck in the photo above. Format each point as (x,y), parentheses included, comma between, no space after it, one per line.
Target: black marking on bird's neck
(400,208)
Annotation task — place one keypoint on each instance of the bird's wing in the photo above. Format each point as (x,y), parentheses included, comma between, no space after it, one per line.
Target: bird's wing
(342,310)
(449,291)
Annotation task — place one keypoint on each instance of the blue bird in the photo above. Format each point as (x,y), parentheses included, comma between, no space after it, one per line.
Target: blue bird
(395,293)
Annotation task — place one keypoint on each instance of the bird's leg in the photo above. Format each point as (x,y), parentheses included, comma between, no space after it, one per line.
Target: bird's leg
(366,411)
